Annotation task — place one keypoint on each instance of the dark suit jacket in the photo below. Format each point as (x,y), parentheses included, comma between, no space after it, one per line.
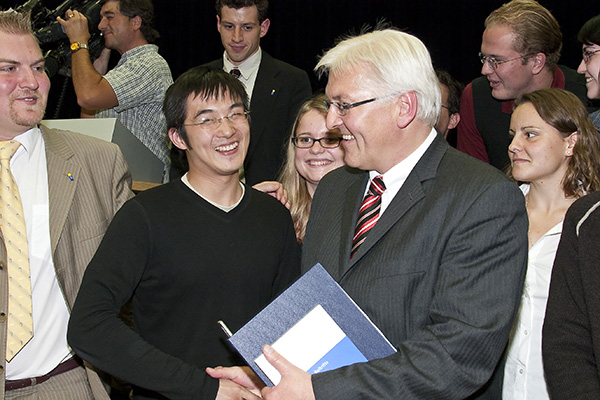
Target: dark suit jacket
(80,211)
(279,91)
(441,275)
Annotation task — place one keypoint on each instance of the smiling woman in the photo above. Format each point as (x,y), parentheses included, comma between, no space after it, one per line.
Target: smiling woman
(312,152)
(589,36)
(555,155)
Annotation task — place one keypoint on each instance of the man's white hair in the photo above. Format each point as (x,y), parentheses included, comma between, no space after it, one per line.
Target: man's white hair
(398,62)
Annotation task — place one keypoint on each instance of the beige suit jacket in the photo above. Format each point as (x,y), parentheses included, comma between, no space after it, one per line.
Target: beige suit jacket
(80,211)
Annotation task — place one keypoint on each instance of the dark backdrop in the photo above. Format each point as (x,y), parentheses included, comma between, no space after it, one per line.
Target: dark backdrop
(302,29)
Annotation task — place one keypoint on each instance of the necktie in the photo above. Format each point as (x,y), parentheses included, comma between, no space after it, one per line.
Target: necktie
(12,223)
(235,72)
(368,213)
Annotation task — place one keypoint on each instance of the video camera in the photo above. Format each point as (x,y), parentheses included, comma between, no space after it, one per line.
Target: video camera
(51,34)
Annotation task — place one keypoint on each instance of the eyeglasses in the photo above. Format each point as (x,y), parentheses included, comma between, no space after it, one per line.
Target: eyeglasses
(307,142)
(493,63)
(343,108)
(235,118)
(588,54)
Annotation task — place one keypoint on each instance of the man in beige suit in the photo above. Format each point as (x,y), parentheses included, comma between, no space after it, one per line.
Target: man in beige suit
(70,186)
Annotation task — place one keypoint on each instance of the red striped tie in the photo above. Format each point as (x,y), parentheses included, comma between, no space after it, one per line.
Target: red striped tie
(368,213)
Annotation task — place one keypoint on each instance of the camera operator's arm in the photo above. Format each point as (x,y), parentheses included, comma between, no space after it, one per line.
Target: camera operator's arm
(92,90)
(101,63)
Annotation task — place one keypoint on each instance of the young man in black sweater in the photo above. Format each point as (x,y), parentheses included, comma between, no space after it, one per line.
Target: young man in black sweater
(189,253)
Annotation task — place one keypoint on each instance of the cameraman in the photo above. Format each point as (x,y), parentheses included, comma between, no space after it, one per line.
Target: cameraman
(134,90)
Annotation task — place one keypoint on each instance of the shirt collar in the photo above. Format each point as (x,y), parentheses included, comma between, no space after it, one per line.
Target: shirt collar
(137,50)
(248,67)
(28,140)
(395,176)
(186,181)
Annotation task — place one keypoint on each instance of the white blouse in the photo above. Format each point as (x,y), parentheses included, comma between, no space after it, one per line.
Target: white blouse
(524,372)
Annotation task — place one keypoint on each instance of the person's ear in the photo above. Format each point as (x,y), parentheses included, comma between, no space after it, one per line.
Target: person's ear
(264,27)
(454,120)
(539,62)
(571,141)
(176,139)
(407,108)
(137,22)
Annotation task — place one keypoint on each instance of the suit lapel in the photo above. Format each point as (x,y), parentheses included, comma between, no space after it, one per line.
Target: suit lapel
(61,185)
(354,197)
(411,192)
(265,93)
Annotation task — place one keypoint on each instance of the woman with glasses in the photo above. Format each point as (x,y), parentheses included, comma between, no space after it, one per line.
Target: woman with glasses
(312,151)
(555,157)
(589,36)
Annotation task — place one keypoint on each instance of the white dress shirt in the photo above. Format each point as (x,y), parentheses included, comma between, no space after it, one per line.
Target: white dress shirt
(395,177)
(48,347)
(248,69)
(524,371)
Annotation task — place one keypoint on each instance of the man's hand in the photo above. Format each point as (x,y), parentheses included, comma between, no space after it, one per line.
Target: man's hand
(275,189)
(101,63)
(229,390)
(236,383)
(76,26)
(295,383)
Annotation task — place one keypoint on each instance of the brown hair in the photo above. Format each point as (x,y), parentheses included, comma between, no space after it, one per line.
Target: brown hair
(145,10)
(566,113)
(535,28)
(262,6)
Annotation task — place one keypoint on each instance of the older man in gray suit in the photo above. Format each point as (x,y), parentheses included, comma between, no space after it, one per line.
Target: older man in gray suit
(440,271)
(70,186)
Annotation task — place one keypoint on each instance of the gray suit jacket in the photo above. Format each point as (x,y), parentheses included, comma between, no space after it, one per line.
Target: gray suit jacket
(80,211)
(279,91)
(441,275)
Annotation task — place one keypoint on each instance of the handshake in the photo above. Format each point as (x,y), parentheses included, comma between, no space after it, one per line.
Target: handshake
(240,383)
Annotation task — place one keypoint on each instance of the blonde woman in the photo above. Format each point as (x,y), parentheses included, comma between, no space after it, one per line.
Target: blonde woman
(312,151)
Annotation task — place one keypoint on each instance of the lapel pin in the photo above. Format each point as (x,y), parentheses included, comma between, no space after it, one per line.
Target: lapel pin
(70,175)
(272,92)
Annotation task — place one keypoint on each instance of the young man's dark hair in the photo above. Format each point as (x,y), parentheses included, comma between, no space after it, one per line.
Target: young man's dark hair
(207,82)
(145,10)
(262,6)
(455,89)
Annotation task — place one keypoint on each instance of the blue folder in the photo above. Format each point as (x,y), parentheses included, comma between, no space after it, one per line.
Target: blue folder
(363,341)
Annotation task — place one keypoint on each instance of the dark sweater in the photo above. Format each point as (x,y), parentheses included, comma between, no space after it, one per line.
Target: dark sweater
(571,334)
(185,264)
(484,120)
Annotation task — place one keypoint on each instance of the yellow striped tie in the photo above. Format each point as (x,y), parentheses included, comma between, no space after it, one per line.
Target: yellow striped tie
(12,223)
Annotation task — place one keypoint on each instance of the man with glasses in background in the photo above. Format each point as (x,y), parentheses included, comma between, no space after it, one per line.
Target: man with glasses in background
(189,253)
(429,242)
(520,49)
